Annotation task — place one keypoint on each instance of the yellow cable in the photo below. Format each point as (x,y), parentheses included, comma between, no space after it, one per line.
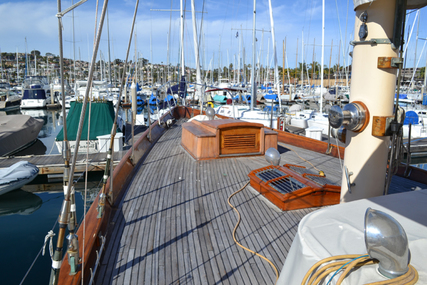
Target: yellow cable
(313,268)
(320,171)
(235,228)
(349,267)
(321,273)
(409,278)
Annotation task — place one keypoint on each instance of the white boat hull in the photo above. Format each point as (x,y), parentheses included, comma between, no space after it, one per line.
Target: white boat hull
(16,176)
(33,103)
(93,146)
(100,145)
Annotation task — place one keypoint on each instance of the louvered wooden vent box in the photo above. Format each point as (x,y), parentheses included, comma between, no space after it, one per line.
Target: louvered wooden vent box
(227,137)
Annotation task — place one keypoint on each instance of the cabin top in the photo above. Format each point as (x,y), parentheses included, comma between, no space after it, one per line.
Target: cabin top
(222,138)
(228,123)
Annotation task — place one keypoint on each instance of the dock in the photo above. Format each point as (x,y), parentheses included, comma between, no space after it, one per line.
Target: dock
(174,225)
(54,163)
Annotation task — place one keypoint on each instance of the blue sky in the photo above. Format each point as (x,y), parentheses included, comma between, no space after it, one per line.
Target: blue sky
(36,21)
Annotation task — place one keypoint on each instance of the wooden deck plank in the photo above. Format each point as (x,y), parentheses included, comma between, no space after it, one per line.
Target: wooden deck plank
(197,270)
(227,229)
(218,247)
(245,256)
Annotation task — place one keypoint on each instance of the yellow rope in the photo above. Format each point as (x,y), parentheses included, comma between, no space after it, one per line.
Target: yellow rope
(318,274)
(320,171)
(235,228)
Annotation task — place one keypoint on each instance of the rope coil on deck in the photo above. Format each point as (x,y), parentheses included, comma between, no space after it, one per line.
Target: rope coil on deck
(318,273)
(237,225)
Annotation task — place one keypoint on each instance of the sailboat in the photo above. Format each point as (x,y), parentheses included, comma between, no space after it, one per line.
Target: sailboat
(166,215)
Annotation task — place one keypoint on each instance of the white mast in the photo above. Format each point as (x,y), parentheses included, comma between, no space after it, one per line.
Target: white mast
(182,39)
(17,66)
(196,52)
(1,64)
(302,61)
(323,55)
(267,74)
(276,70)
(253,84)
(219,60)
(238,64)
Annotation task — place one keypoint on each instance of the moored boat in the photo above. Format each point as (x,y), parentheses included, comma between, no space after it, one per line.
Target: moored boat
(9,100)
(98,123)
(16,176)
(34,94)
(18,132)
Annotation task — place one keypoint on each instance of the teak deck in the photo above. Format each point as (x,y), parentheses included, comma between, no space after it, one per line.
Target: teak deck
(174,225)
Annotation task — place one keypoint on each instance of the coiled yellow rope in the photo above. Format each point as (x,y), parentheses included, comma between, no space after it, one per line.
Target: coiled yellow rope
(235,228)
(318,273)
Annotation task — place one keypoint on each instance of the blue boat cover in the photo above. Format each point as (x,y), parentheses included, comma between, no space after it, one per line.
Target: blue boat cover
(401,96)
(34,94)
(271,97)
(411,117)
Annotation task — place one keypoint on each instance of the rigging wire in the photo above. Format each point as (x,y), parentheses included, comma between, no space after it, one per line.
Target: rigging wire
(87,153)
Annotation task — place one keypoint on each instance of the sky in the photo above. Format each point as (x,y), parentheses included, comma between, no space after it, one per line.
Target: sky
(32,25)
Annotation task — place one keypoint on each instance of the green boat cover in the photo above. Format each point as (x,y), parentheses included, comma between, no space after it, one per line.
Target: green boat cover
(101,121)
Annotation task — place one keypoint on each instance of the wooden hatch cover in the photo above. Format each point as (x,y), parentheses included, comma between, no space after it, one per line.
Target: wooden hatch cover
(291,187)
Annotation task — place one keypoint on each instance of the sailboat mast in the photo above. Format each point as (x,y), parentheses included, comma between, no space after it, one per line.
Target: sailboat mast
(329,70)
(1,64)
(17,66)
(312,65)
(323,55)
(374,88)
(182,39)
(276,70)
(416,44)
(302,61)
(74,45)
(283,69)
(109,54)
(253,84)
(425,78)
(219,60)
(26,59)
(296,66)
(196,51)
